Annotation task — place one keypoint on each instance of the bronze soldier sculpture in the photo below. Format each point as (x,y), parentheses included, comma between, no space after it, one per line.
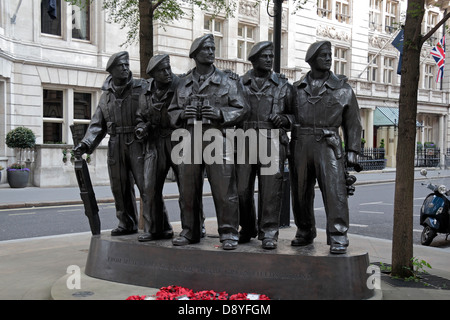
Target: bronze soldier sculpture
(116,115)
(207,95)
(270,98)
(325,103)
(153,125)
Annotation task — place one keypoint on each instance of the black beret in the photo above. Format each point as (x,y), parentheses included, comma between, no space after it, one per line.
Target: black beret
(312,50)
(155,60)
(197,43)
(115,58)
(258,47)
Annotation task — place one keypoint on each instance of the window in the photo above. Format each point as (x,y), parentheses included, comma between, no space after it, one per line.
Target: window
(51,17)
(388,72)
(375,8)
(62,108)
(283,53)
(82,108)
(215,27)
(53,23)
(246,40)
(340,60)
(81,22)
(324,9)
(372,69)
(390,16)
(431,21)
(428,78)
(53,116)
(342,11)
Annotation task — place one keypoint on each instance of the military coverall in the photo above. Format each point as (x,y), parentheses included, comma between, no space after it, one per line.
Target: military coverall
(152,116)
(116,115)
(275,96)
(317,153)
(224,93)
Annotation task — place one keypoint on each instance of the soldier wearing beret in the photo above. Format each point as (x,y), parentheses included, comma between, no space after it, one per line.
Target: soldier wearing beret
(116,115)
(211,96)
(153,126)
(270,99)
(325,103)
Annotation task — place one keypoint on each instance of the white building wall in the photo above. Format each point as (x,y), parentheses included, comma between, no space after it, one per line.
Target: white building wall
(31,62)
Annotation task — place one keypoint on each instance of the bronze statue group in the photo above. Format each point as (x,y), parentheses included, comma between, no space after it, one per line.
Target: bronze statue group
(319,112)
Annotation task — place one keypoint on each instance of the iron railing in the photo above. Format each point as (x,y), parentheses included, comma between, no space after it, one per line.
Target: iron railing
(372,158)
(427,157)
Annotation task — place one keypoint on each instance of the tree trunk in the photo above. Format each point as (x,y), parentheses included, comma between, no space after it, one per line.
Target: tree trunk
(145,35)
(402,244)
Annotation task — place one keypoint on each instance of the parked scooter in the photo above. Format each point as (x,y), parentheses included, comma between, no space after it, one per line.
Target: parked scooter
(434,213)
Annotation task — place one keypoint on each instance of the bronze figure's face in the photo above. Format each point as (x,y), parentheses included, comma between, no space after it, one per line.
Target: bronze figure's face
(121,70)
(207,53)
(323,60)
(264,60)
(162,73)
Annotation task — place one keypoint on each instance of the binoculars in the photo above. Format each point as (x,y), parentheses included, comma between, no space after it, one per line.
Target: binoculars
(198,103)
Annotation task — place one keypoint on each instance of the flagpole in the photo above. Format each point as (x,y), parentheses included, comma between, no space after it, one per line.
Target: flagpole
(378,53)
(443,34)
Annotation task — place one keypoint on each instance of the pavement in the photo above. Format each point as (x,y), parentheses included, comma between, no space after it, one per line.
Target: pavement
(40,268)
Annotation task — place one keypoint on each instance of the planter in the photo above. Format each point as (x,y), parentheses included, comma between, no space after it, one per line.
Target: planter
(18,178)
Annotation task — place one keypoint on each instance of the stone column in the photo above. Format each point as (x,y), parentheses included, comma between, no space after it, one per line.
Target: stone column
(369,128)
(441,143)
(391,147)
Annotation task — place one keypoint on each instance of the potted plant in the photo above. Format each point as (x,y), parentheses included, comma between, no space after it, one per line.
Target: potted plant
(429,145)
(19,138)
(363,142)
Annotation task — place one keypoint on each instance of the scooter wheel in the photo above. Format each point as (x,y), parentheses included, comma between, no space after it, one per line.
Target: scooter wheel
(427,236)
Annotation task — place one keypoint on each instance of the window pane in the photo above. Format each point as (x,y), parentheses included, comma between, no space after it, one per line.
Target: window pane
(52,132)
(345,9)
(249,47)
(51,18)
(53,104)
(240,49)
(217,26)
(250,32)
(218,45)
(82,105)
(80,22)
(206,24)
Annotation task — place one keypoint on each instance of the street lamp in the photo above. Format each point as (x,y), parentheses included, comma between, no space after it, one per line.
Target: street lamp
(278,10)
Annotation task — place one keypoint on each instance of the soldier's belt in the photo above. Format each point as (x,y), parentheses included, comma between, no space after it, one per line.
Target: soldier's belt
(259,125)
(329,135)
(318,132)
(113,130)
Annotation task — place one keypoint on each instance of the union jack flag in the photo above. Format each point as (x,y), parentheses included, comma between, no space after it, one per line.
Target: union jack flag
(438,53)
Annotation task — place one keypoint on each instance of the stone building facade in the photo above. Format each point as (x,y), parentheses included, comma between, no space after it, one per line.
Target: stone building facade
(51,70)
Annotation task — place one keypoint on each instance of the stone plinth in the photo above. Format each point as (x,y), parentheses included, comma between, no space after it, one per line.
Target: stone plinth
(309,272)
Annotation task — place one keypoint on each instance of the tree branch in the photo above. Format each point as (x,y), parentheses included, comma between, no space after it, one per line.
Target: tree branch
(157,4)
(436,27)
